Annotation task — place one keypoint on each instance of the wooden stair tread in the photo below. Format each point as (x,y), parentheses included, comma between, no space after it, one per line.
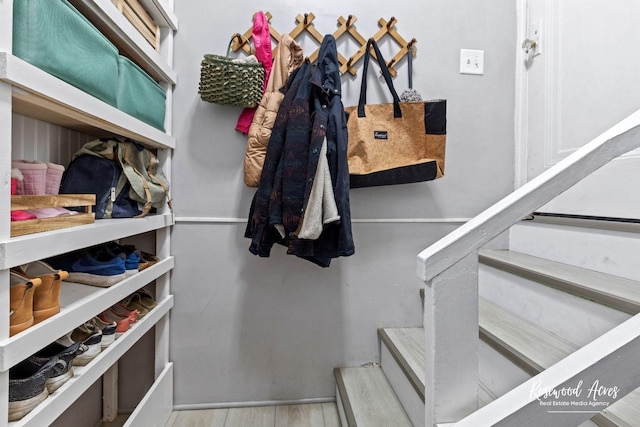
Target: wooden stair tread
(618,292)
(626,410)
(535,349)
(368,399)
(526,344)
(406,345)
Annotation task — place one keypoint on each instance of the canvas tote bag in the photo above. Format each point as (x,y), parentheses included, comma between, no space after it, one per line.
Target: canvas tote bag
(395,143)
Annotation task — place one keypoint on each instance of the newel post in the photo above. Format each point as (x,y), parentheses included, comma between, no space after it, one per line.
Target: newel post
(451,332)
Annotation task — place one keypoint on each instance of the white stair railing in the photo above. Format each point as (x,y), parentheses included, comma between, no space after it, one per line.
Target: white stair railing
(449,270)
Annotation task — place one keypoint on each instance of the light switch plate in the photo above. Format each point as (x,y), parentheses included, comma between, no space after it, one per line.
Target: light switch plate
(471,61)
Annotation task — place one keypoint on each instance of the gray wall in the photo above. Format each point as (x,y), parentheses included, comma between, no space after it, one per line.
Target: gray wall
(246,329)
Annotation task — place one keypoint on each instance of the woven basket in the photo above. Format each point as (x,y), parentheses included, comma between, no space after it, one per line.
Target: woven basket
(229,83)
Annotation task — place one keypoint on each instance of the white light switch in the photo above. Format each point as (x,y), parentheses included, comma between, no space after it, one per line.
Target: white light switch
(471,61)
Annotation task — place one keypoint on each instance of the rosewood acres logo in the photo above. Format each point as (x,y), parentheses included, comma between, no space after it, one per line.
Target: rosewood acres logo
(590,397)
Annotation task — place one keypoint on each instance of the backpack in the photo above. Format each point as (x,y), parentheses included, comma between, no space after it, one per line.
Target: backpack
(125,177)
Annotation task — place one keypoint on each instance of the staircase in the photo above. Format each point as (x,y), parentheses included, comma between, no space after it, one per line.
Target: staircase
(537,305)
(526,323)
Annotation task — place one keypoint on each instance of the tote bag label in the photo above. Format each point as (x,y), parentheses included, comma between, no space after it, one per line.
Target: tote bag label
(380,134)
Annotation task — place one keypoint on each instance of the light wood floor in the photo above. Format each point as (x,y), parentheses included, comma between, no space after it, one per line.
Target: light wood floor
(312,415)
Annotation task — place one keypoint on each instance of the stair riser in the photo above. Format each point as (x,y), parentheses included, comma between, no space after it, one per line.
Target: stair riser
(409,398)
(497,373)
(612,252)
(577,320)
(343,418)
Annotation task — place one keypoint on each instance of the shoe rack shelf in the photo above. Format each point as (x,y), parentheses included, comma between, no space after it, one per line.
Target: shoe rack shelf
(78,303)
(32,247)
(84,376)
(31,92)
(112,23)
(42,96)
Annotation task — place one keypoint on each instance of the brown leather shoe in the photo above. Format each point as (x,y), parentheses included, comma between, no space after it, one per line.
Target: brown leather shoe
(21,292)
(46,300)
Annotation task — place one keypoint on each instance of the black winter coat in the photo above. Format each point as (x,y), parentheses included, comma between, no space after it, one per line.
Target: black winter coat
(310,111)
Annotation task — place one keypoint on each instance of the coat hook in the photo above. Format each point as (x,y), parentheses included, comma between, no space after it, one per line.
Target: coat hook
(306,16)
(391,22)
(239,37)
(349,19)
(349,62)
(390,64)
(411,43)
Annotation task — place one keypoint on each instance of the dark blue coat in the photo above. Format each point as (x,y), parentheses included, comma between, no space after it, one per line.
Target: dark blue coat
(310,111)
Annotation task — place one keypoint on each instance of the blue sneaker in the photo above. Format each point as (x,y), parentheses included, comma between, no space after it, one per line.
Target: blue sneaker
(131,255)
(93,266)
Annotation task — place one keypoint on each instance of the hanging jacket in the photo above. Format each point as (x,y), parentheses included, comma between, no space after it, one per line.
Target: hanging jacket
(310,115)
(262,43)
(288,56)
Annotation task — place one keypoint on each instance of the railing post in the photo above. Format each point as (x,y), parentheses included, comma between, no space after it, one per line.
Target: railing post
(451,332)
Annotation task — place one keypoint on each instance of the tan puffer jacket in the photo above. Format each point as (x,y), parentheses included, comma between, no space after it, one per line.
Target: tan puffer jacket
(288,57)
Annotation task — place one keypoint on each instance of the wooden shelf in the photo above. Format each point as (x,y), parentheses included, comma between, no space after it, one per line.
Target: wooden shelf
(78,303)
(113,24)
(30,226)
(161,13)
(33,247)
(45,413)
(40,95)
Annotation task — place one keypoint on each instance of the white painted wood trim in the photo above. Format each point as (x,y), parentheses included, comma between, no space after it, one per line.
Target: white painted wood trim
(46,94)
(224,220)
(33,247)
(110,394)
(161,12)
(341,414)
(255,403)
(6,26)
(521,123)
(468,238)
(78,303)
(104,15)
(402,386)
(155,408)
(451,343)
(52,407)
(608,359)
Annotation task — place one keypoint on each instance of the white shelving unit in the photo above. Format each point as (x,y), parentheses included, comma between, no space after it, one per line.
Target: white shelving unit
(29,91)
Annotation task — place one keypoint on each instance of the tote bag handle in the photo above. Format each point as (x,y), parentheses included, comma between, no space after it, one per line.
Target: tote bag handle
(397,112)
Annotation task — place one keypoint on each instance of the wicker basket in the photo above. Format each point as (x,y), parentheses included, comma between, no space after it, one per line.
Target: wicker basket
(225,82)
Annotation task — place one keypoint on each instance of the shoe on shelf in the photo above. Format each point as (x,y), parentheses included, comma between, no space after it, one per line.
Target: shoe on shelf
(123,311)
(123,323)
(46,299)
(61,372)
(21,292)
(134,302)
(34,177)
(146,299)
(147,260)
(108,330)
(27,387)
(53,178)
(87,334)
(131,255)
(91,266)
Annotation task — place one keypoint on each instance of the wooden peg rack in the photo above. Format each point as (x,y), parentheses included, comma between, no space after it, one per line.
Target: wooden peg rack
(304,23)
